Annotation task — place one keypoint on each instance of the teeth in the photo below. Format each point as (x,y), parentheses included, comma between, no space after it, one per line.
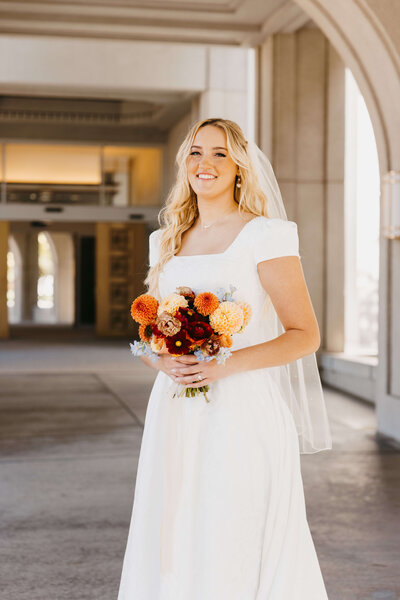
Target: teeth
(203,176)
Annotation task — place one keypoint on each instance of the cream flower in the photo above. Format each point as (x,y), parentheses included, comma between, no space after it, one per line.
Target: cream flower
(227,318)
(158,345)
(167,324)
(171,304)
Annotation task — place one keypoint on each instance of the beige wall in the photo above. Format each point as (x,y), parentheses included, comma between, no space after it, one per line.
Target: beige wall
(91,66)
(175,138)
(146,176)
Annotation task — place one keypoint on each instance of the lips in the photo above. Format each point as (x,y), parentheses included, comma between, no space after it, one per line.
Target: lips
(206,176)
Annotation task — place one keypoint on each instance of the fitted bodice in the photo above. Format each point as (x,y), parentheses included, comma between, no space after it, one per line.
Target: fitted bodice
(260,239)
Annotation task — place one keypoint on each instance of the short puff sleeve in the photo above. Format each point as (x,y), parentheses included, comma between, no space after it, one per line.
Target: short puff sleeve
(154,247)
(275,238)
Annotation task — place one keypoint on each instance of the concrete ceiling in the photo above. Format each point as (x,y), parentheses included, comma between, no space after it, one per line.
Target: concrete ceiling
(144,120)
(145,117)
(233,22)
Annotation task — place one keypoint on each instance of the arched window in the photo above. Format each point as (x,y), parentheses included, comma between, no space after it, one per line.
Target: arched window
(362,214)
(14,281)
(45,284)
(10,279)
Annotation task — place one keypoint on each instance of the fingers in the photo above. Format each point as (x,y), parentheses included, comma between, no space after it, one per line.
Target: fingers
(185,375)
(187,379)
(182,371)
(191,380)
(198,384)
(186,359)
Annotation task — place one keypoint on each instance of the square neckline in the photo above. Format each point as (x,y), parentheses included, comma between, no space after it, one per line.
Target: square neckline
(230,245)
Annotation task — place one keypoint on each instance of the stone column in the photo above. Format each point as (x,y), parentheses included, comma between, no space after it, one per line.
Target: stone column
(302,130)
(31,274)
(226,94)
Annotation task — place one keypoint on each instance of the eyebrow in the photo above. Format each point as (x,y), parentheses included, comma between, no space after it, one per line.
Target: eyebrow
(215,148)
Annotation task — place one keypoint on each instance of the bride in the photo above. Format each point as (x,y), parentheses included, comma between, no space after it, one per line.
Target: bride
(219,510)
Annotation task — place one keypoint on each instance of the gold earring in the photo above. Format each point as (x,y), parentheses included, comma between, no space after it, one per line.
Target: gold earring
(238,182)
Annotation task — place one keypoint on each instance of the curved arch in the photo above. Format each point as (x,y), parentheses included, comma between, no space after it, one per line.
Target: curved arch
(366,48)
(373,60)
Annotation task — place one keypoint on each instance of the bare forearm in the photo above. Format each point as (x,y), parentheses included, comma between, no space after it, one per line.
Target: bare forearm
(284,349)
(149,362)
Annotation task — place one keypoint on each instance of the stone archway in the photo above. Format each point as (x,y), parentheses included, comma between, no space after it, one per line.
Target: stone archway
(366,48)
(364,40)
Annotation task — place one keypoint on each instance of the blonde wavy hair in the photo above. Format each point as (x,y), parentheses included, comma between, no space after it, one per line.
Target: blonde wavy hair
(181,211)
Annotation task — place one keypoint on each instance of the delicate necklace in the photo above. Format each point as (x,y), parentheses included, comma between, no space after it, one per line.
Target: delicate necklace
(217,221)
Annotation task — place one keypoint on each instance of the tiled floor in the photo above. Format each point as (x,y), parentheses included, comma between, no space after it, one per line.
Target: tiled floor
(71,423)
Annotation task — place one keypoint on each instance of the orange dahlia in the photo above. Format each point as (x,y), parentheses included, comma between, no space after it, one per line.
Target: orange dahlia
(145,332)
(227,319)
(206,303)
(144,309)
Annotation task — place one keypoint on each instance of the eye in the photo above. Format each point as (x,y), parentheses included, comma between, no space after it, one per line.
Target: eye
(221,154)
(194,152)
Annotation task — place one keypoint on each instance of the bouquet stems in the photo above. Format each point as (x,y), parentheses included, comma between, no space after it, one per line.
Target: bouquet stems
(192,392)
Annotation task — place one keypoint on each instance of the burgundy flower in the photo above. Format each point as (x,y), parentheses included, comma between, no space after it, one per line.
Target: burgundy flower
(157,332)
(188,313)
(184,322)
(178,344)
(198,330)
(191,315)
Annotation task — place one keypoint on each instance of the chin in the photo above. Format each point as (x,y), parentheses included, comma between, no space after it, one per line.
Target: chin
(208,195)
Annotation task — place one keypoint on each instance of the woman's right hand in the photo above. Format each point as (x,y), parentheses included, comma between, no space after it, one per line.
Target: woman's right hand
(167,363)
(171,365)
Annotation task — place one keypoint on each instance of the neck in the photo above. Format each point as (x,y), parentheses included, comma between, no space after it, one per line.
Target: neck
(211,210)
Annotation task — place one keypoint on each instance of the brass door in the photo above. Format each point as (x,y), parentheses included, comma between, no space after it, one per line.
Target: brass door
(121,265)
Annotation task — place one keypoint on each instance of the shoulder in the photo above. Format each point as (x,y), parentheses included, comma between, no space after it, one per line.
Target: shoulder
(155,235)
(154,242)
(274,238)
(276,224)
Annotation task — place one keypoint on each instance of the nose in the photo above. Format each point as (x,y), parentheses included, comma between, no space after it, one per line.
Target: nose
(204,161)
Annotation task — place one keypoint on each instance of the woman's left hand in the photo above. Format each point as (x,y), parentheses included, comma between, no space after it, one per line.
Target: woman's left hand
(188,367)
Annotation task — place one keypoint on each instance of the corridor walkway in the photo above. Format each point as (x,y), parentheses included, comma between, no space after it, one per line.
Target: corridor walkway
(71,423)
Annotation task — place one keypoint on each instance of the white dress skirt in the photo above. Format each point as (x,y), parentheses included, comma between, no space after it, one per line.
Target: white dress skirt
(219,510)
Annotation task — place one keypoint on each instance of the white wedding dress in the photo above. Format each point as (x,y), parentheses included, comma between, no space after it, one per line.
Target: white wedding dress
(219,510)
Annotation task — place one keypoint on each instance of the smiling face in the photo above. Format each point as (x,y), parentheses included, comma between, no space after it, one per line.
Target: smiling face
(211,170)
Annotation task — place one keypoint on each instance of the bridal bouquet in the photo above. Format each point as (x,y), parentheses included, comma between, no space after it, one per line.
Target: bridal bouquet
(188,323)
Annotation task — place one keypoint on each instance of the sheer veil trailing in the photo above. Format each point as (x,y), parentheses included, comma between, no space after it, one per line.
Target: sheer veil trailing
(299,381)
